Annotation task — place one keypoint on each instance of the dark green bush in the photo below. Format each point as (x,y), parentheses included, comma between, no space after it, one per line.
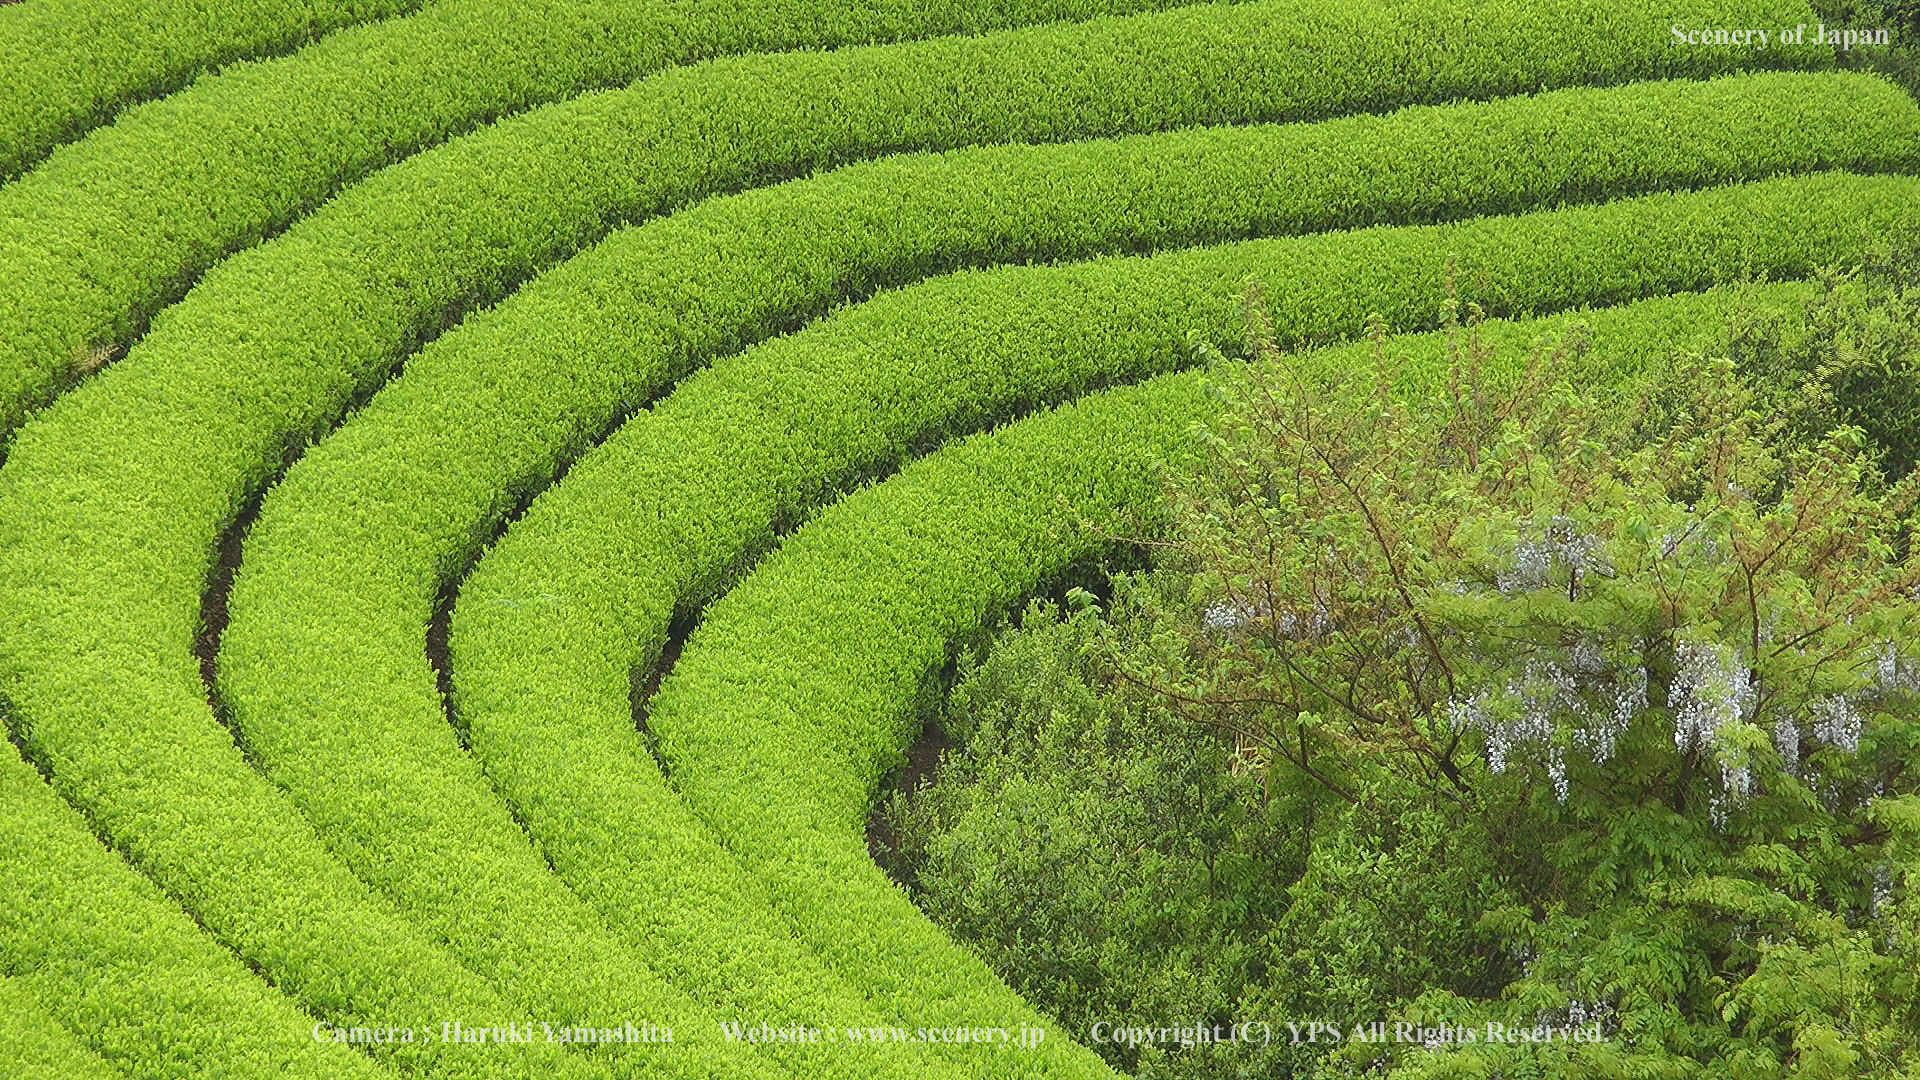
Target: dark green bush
(1118,862)
(1107,857)
(1593,709)
(1855,361)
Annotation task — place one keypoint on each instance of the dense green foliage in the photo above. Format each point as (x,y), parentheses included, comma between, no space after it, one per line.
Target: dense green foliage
(36,1047)
(1554,722)
(1119,864)
(1899,60)
(189,179)
(67,67)
(116,961)
(1856,362)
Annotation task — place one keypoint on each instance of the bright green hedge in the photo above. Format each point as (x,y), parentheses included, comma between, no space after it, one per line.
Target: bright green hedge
(36,1047)
(123,967)
(65,67)
(111,228)
(834,638)
(183,181)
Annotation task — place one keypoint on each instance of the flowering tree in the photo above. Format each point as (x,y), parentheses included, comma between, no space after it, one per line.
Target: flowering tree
(1666,648)
(1520,579)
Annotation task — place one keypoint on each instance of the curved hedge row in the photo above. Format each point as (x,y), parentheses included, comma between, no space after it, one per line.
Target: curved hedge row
(837,634)
(120,964)
(487,413)
(323,653)
(184,180)
(67,67)
(36,1047)
(122,967)
(216,185)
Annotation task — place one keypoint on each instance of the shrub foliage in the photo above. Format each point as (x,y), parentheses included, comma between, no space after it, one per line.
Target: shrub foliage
(1535,703)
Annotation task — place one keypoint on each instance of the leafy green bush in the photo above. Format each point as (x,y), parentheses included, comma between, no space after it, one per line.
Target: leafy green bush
(1856,362)
(1901,14)
(1899,60)
(1115,861)
(1107,858)
(1596,709)
(1593,625)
